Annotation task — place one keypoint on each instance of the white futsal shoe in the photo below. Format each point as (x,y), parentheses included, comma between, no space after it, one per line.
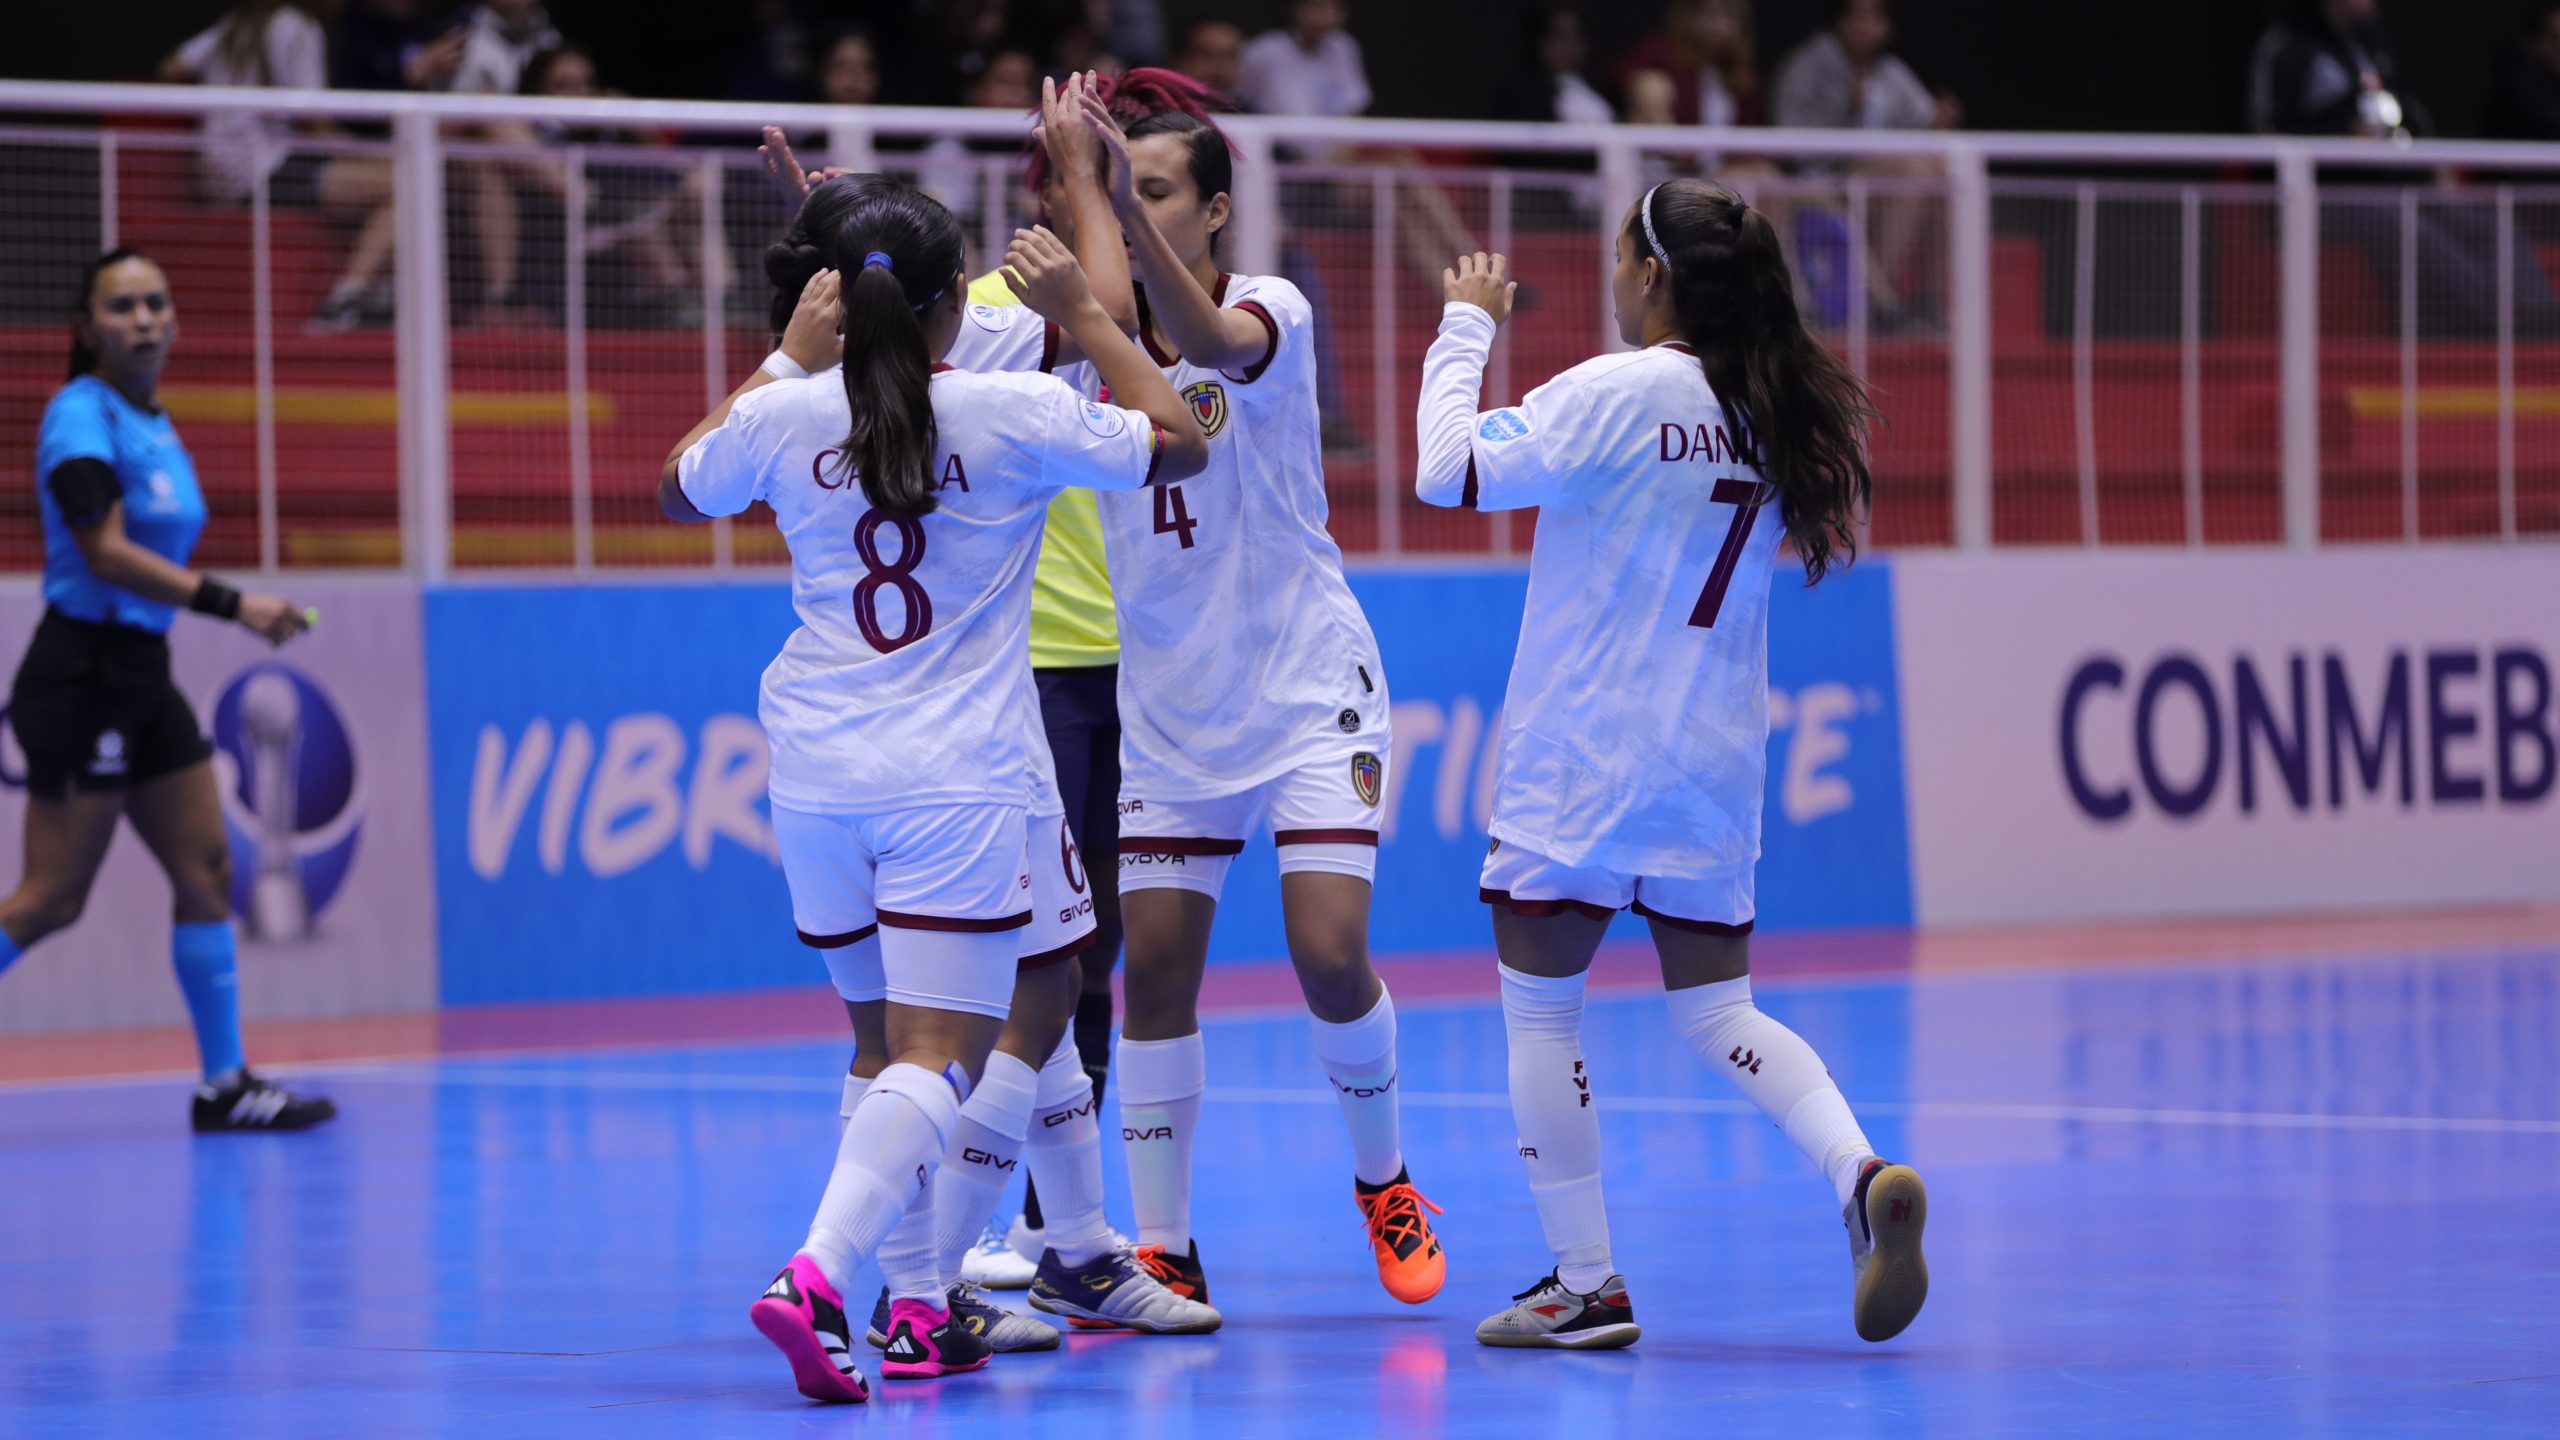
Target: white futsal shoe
(1884,1217)
(1004,1259)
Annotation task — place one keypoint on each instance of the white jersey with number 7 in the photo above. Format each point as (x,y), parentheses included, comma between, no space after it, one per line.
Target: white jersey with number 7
(1636,727)
(909,678)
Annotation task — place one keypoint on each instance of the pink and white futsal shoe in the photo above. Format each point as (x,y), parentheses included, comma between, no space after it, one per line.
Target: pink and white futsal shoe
(925,1343)
(804,1318)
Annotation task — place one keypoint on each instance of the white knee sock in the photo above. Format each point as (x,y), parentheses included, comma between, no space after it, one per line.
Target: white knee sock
(884,1161)
(1778,1071)
(1360,1057)
(1064,1153)
(855,1087)
(1161,1083)
(1559,1131)
(984,1153)
(909,1263)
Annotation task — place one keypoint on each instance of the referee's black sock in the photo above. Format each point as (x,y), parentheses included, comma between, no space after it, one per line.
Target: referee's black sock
(1093,1039)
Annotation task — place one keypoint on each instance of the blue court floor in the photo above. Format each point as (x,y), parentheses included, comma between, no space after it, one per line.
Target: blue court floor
(2256,1198)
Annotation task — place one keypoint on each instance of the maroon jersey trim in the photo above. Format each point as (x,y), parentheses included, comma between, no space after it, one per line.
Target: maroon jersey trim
(838,942)
(1178,845)
(1538,909)
(1695,927)
(1324,837)
(1270,353)
(1068,951)
(965,925)
(1048,347)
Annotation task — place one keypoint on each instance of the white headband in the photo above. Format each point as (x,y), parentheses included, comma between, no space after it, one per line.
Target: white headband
(1649,237)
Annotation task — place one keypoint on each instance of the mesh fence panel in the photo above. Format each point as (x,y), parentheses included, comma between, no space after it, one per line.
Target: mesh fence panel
(602,290)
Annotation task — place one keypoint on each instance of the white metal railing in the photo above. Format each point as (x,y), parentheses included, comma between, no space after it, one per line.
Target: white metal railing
(1373,198)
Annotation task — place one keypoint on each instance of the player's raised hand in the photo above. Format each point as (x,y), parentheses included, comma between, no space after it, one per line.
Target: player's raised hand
(1042,272)
(1483,281)
(815,337)
(1073,147)
(1118,180)
(794,182)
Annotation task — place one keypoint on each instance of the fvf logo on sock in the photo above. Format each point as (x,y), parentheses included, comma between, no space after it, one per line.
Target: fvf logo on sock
(1582,1084)
(1748,1060)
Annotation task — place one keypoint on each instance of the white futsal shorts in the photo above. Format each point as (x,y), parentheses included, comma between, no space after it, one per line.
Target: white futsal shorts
(934,867)
(1324,815)
(1531,884)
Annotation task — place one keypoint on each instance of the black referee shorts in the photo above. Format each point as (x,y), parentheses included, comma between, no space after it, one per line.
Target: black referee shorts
(95,709)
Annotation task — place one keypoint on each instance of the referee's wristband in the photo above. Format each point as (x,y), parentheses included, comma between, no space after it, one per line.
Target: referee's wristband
(216,599)
(783,367)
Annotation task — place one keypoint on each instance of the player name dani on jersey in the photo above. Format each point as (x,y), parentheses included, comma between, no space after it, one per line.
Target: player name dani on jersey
(1704,443)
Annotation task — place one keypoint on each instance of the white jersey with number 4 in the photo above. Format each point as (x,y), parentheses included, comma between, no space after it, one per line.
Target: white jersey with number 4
(909,679)
(1243,655)
(1636,728)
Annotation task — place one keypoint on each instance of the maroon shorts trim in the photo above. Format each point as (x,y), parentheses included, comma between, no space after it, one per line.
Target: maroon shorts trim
(898,920)
(1270,353)
(1178,845)
(838,942)
(1068,951)
(1324,837)
(1695,927)
(1539,909)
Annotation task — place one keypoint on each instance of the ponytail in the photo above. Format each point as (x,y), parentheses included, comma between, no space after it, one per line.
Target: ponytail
(1802,412)
(899,253)
(888,382)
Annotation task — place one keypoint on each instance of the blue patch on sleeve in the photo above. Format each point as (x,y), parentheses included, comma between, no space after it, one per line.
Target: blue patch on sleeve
(1502,425)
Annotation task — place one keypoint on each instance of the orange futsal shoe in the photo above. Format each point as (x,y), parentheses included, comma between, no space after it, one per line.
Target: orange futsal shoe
(1410,1264)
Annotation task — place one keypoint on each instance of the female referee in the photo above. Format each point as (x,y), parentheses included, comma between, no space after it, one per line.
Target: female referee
(105,730)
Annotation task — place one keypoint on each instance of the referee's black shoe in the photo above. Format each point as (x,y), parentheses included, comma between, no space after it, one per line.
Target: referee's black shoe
(242,1101)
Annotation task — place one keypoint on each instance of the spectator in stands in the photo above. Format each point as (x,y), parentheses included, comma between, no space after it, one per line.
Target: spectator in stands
(949,170)
(1702,62)
(1847,78)
(639,221)
(2327,67)
(279,44)
(1547,81)
(773,64)
(1132,30)
(499,36)
(380,45)
(849,69)
(1212,52)
(2524,93)
(1311,66)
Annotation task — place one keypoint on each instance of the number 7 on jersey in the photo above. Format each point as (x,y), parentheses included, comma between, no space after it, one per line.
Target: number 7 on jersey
(1748,497)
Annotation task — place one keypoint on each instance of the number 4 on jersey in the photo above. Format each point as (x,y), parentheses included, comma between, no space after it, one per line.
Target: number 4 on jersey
(1171,515)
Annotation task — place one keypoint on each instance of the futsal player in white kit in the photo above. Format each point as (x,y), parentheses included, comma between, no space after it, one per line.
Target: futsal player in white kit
(1635,730)
(1251,696)
(1034,1105)
(912,498)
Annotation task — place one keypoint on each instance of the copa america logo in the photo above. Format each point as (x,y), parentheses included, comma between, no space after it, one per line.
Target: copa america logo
(290,802)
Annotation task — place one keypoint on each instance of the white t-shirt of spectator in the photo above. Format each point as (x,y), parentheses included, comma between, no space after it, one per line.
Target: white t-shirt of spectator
(909,679)
(1281,77)
(494,57)
(1578,104)
(293,55)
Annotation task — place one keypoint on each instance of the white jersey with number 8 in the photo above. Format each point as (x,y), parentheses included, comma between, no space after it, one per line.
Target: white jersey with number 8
(909,679)
(1636,727)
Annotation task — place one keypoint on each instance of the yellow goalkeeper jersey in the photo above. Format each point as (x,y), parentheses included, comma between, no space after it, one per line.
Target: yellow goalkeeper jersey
(1071,618)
